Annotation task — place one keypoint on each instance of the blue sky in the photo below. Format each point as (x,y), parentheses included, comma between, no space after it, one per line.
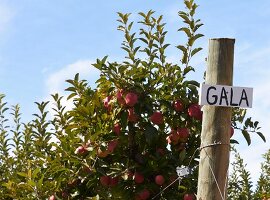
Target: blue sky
(43,43)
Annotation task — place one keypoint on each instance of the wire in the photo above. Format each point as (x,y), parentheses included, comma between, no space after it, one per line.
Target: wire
(192,157)
(179,178)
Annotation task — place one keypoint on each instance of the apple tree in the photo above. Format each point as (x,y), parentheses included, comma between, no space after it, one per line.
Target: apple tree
(123,139)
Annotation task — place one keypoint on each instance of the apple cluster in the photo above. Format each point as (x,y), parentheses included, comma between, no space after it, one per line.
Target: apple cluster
(132,104)
(140,135)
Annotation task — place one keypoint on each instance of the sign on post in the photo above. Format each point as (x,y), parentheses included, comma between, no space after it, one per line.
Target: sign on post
(228,96)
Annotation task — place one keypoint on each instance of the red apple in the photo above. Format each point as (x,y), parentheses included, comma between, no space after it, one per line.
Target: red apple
(144,194)
(105,180)
(112,145)
(132,116)
(117,129)
(173,137)
(131,99)
(189,197)
(194,111)
(159,179)
(138,177)
(114,181)
(120,98)
(157,118)
(81,150)
(52,197)
(178,106)
(232,131)
(183,133)
(106,102)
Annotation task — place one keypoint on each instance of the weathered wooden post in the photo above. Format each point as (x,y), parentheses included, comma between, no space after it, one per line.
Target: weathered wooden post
(215,136)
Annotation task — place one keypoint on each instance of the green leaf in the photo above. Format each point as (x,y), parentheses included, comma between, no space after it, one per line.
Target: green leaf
(40,181)
(35,172)
(196,50)
(184,17)
(256,124)
(22,174)
(195,83)
(188,4)
(182,155)
(151,134)
(247,136)
(71,95)
(187,70)
(261,136)
(31,183)
(232,141)
(182,48)
(198,36)
(186,30)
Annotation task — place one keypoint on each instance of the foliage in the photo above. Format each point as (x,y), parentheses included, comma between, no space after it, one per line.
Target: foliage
(142,121)
(263,184)
(240,185)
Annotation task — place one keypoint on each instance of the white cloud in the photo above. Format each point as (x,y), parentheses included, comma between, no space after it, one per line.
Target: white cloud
(56,81)
(6,15)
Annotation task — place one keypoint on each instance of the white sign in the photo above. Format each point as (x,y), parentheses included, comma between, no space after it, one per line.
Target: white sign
(182,171)
(223,95)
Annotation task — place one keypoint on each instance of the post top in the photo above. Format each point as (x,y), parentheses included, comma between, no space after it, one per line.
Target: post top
(233,39)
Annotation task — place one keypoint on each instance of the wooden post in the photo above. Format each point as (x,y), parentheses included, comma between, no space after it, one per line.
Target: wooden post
(214,159)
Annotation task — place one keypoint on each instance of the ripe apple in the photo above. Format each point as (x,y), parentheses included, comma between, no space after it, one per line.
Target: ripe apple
(194,111)
(105,180)
(138,177)
(80,150)
(183,133)
(117,129)
(178,106)
(114,181)
(120,98)
(112,145)
(144,194)
(173,137)
(131,99)
(52,197)
(106,102)
(157,118)
(189,197)
(232,131)
(159,179)
(132,116)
